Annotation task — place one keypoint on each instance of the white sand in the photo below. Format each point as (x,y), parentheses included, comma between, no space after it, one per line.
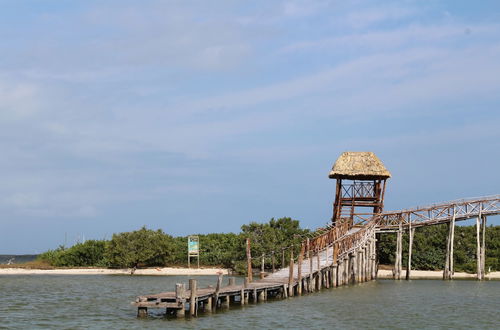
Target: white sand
(105,271)
(434,274)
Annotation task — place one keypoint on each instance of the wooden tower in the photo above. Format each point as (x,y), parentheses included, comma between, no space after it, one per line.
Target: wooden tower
(360,189)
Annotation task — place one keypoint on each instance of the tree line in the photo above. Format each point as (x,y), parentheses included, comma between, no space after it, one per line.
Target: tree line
(155,248)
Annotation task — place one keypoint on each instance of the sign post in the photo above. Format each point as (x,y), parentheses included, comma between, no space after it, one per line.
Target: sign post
(193,249)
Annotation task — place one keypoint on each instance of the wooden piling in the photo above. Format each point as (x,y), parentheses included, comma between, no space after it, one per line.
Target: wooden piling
(290,274)
(142,312)
(347,266)
(217,290)
(283,259)
(483,249)
(478,247)
(411,232)
(366,268)
(249,261)
(180,297)
(208,305)
(334,276)
(231,281)
(245,286)
(299,269)
(262,265)
(399,252)
(452,242)
(192,298)
(355,267)
(273,261)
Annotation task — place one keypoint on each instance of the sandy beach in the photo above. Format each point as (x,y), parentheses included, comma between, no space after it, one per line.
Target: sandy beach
(105,271)
(435,274)
(382,273)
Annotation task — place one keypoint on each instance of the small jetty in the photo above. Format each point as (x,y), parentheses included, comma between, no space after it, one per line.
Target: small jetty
(342,253)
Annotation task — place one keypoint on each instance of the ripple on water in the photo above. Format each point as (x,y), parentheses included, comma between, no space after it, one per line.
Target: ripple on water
(102,301)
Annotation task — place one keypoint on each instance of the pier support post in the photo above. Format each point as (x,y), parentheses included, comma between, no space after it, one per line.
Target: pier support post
(245,294)
(249,261)
(374,257)
(478,246)
(483,248)
(208,305)
(262,295)
(299,270)
(217,290)
(366,268)
(399,252)
(180,297)
(448,268)
(290,275)
(355,266)
(142,312)
(310,285)
(273,261)
(262,265)
(227,301)
(345,275)
(411,233)
(334,276)
(193,310)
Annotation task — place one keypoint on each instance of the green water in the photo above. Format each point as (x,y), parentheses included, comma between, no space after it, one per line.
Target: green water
(82,302)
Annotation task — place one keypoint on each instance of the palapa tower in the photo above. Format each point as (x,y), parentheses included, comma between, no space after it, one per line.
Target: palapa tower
(360,189)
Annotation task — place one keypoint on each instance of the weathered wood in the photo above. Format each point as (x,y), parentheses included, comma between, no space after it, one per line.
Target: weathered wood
(208,305)
(290,275)
(217,291)
(273,261)
(334,276)
(231,281)
(364,264)
(411,233)
(142,312)
(180,292)
(310,285)
(262,265)
(346,274)
(399,252)
(478,247)
(262,295)
(355,265)
(451,260)
(299,269)
(192,298)
(249,261)
(483,249)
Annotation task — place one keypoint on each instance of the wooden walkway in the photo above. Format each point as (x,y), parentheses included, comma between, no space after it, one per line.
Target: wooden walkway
(335,258)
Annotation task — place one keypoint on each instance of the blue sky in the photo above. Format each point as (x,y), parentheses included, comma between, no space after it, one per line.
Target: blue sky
(197,116)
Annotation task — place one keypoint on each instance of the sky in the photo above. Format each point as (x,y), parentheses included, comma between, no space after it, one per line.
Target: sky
(201,116)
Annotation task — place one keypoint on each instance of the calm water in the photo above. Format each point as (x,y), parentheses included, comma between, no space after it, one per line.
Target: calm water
(79,302)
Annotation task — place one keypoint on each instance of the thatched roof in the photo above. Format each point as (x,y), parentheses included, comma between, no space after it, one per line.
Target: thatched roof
(359,165)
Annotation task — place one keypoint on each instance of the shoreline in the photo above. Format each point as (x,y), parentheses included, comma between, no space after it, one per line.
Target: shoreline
(163,271)
(434,274)
(172,271)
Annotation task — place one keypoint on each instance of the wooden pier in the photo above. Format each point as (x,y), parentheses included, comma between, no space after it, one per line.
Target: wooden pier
(344,252)
(340,256)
